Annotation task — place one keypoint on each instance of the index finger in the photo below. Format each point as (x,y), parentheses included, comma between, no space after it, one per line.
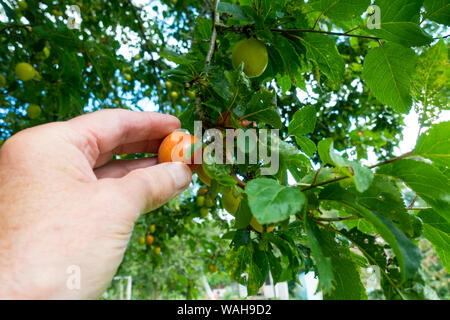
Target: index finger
(105,130)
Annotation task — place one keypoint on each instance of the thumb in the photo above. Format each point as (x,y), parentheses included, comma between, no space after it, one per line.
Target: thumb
(149,188)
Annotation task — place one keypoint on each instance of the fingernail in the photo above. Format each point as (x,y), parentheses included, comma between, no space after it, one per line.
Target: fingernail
(180,173)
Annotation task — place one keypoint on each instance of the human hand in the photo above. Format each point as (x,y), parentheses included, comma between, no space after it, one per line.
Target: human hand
(63,202)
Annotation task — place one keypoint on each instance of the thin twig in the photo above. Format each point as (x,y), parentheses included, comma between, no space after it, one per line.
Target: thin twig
(403,156)
(412,202)
(209,55)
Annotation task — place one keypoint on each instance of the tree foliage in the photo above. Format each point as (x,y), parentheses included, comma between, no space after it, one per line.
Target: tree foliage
(337,90)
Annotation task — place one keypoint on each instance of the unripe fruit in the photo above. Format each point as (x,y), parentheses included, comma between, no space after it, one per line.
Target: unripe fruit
(46,52)
(253,53)
(142,241)
(33,111)
(177,147)
(200,201)
(23,5)
(127,77)
(25,71)
(174,95)
(213,268)
(152,228)
(191,94)
(231,201)
(203,176)
(149,239)
(168,84)
(2,81)
(157,250)
(209,203)
(204,212)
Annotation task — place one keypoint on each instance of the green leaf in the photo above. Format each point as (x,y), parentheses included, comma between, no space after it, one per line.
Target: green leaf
(338,274)
(437,231)
(400,23)
(322,50)
(271,202)
(407,253)
(324,147)
(431,80)
(323,260)
(438,10)
(424,179)
(387,71)
(304,121)
(175,57)
(243,215)
(306,145)
(361,176)
(384,198)
(434,144)
(232,10)
(261,107)
(341,9)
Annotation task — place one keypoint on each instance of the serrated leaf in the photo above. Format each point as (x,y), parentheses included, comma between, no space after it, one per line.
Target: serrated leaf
(361,176)
(407,253)
(383,197)
(261,107)
(424,179)
(270,202)
(304,121)
(437,231)
(306,145)
(434,144)
(387,71)
(322,50)
(400,23)
(341,9)
(232,10)
(438,10)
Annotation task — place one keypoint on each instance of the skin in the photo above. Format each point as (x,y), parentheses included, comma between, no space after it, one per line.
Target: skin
(64,203)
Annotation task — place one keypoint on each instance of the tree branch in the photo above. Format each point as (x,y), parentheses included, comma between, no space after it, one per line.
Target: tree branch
(315,185)
(209,55)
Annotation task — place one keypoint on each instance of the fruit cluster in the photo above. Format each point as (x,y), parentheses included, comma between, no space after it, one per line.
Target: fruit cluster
(204,201)
(149,240)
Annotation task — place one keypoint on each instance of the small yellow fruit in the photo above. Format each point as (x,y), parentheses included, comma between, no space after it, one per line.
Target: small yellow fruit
(213,268)
(253,53)
(168,84)
(128,77)
(174,95)
(203,176)
(142,241)
(2,81)
(57,13)
(191,94)
(23,5)
(25,71)
(209,203)
(204,212)
(157,250)
(152,228)
(46,52)
(200,201)
(33,111)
